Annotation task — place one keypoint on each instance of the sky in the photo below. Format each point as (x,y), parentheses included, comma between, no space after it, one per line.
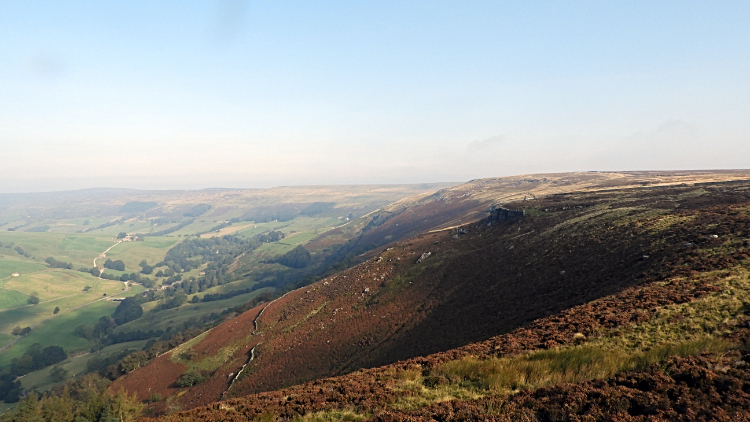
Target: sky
(249,94)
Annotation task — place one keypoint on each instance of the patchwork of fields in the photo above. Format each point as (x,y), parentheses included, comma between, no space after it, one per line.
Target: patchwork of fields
(82,299)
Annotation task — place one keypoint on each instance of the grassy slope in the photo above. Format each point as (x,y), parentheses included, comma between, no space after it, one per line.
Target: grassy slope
(75,365)
(704,320)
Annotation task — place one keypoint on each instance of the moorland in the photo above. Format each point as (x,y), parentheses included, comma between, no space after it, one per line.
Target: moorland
(577,296)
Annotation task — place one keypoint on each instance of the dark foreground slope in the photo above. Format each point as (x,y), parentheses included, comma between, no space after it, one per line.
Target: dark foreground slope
(567,251)
(667,347)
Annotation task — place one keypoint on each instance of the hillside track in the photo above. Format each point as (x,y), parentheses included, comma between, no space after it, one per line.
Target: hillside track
(585,262)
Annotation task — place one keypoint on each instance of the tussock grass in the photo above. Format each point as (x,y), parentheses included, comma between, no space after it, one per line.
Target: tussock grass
(332,415)
(420,395)
(674,330)
(563,365)
(713,315)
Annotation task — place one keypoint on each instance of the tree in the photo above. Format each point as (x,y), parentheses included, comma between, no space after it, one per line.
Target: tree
(118,265)
(17,330)
(298,257)
(133,361)
(128,310)
(33,299)
(84,331)
(190,378)
(57,310)
(122,235)
(58,373)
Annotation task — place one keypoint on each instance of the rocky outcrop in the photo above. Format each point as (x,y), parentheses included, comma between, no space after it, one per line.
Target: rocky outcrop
(498,214)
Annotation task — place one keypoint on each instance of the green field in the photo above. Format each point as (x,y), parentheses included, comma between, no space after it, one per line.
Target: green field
(153,250)
(58,330)
(5,338)
(11,299)
(10,266)
(177,316)
(41,380)
(84,243)
(69,213)
(51,284)
(79,250)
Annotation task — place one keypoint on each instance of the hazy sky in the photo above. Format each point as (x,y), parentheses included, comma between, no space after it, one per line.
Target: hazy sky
(159,94)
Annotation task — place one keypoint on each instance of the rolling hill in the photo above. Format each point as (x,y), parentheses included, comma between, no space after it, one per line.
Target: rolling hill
(577,269)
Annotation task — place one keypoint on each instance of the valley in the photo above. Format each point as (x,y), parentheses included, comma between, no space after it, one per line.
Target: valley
(427,307)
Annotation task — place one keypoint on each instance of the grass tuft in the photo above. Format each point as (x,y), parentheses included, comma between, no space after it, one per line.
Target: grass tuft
(563,365)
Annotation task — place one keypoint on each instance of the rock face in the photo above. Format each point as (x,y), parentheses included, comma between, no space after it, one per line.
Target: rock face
(498,213)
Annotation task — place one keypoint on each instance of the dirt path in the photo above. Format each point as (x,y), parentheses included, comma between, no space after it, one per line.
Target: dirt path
(104,255)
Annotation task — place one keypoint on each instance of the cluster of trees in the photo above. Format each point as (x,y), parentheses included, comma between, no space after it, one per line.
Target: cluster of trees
(318,208)
(104,326)
(145,268)
(190,378)
(135,277)
(176,299)
(272,236)
(93,271)
(169,230)
(37,357)
(114,265)
(265,214)
(128,310)
(212,249)
(33,299)
(126,336)
(38,229)
(298,257)
(134,207)
(53,263)
(168,272)
(102,226)
(19,250)
(18,331)
(84,399)
(211,297)
(10,389)
(198,210)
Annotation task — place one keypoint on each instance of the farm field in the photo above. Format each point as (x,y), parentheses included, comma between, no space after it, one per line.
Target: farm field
(82,225)
(51,284)
(58,331)
(61,287)
(10,265)
(176,317)
(11,299)
(76,365)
